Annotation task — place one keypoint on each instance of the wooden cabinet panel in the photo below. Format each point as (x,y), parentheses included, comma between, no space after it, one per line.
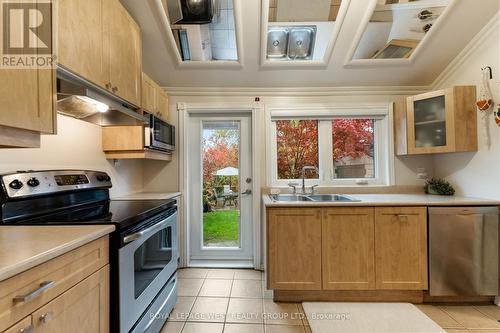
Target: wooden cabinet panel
(82,309)
(148,93)
(19,99)
(24,326)
(348,254)
(162,104)
(81,39)
(401,248)
(294,248)
(123,138)
(125,53)
(64,271)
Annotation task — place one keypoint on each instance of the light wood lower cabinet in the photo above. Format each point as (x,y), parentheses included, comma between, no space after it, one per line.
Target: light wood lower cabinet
(82,309)
(69,293)
(401,248)
(294,249)
(24,326)
(348,249)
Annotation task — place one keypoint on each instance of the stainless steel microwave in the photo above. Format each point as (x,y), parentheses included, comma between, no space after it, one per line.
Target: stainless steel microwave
(159,135)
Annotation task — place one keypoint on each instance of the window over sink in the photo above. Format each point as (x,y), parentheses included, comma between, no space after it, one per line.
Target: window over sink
(348,149)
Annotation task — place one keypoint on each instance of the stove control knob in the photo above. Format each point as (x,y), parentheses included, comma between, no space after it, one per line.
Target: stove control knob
(33,182)
(16,184)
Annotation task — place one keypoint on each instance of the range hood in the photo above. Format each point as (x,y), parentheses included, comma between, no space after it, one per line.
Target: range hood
(81,99)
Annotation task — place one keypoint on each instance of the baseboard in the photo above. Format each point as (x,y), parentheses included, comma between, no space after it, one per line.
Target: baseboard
(411,296)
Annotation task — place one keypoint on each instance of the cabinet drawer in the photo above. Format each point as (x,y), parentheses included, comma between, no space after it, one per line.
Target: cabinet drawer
(43,283)
(24,326)
(82,309)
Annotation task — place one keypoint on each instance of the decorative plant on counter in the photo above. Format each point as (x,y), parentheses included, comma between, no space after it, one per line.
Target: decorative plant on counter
(439,187)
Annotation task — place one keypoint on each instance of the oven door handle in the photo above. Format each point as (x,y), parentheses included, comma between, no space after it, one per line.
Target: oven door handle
(154,228)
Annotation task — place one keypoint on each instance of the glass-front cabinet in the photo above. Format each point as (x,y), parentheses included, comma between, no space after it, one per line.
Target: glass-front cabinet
(442,121)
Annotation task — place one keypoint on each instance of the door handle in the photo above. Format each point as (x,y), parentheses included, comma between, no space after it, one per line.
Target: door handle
(247,192)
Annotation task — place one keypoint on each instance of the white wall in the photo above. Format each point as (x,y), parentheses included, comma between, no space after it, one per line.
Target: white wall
(477,174)
(76,146)
(161,177)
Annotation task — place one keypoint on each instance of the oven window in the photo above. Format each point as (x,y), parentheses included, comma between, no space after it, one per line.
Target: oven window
(151,258)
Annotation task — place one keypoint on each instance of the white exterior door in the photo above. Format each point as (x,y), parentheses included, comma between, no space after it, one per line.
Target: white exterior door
(220,180)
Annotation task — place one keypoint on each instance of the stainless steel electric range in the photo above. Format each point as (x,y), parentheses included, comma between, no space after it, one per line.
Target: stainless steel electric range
(143,249)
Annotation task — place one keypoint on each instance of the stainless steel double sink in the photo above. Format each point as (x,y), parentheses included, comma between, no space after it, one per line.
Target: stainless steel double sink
(291,43)
(312,198)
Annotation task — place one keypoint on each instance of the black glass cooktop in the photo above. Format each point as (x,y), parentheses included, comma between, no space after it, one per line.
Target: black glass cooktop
(121,213)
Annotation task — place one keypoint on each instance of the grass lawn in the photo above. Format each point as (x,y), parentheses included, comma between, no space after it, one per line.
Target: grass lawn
(220,227)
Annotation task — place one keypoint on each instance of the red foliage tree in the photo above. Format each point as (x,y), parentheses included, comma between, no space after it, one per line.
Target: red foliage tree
(220,150)
(352,138)
(297,145)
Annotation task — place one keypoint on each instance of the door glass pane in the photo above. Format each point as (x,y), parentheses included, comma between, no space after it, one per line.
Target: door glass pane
(221,187)
(151,258)
(430,122)
(297,146)
(353,148)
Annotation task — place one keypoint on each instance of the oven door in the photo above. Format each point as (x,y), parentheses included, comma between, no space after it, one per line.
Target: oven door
(160,135)
(146,262)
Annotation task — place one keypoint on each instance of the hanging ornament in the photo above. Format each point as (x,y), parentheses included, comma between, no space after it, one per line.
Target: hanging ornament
(485,101)
(497,115)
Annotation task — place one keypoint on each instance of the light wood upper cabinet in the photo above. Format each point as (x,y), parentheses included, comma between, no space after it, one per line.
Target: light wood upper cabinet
(99,40)
(348,249)
(149,91)
(443,121)
(294,248)
(125,55)
(82,39)
(154,98)
(401,248)
(163,105)
(27,105)
(82,309)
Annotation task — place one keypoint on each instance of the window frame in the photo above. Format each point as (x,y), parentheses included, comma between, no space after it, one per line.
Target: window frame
(383,138)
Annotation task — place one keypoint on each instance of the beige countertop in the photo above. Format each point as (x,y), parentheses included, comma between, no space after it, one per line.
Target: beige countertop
(24,247)
(390,200)
(149,196)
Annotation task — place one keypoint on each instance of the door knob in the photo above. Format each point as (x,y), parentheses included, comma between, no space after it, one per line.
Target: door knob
(45,318)
(247,192)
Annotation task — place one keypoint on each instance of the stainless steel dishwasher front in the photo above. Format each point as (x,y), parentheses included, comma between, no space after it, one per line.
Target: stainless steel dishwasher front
(463,251)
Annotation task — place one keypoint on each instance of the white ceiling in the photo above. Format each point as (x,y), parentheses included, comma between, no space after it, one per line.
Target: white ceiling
(465,19)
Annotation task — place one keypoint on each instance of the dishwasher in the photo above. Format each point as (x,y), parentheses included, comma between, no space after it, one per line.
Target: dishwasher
(463,251)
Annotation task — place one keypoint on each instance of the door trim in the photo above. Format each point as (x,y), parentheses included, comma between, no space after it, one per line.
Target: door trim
(258,138)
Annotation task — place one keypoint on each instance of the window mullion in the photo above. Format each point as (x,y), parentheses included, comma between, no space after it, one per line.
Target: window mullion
(325,151)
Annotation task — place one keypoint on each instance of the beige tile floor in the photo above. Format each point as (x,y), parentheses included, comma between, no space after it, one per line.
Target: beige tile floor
(236,301)
(230,301)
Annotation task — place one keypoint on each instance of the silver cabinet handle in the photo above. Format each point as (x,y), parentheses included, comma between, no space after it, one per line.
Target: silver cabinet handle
(109,85)
(28,297)
(27,329)
(45,318)
(115,89)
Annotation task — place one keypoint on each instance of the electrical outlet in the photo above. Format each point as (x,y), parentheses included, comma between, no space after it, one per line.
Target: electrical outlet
(275,191)
(421,173)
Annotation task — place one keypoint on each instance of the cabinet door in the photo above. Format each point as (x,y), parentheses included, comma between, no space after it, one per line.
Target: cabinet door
(82,309)
(162,104)
(81,39)
(294,248)
(125,53)
(24,326)
(348,242)
(430,123)
(401,248)
(19,99)
(148,93)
